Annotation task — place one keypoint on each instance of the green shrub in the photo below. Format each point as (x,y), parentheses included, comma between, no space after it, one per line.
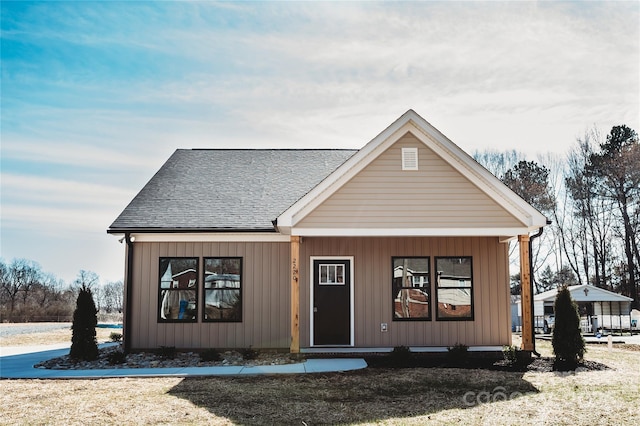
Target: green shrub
(568,343)
(115,337)
(458,354)
(117,357)
(83,338)
(166,352)
(210,355)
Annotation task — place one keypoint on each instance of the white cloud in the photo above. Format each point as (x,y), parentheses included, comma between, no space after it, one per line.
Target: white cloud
(153,77)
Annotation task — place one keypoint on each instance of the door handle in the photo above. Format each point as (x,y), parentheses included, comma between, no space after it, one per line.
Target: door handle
(315,309)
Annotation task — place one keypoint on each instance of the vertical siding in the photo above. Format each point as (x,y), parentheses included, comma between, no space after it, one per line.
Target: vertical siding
(383,195)
(265,296)
(372,290)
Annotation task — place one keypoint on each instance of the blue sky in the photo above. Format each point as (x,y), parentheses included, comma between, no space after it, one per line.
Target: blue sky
(97,95)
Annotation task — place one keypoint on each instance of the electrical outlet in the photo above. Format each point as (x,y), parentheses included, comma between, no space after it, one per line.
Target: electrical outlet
(383,327)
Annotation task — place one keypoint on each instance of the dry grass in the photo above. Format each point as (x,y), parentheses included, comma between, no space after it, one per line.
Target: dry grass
(371,396)
(52,337)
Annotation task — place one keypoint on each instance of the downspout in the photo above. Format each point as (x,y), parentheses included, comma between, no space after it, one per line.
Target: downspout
(533,316)
(128,286)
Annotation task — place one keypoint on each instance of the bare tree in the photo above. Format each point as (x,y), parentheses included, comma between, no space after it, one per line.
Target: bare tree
(616,172)
(17,280)
(113,295)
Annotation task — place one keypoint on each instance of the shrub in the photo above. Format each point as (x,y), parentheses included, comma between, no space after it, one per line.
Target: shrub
(115,337)
(568,344)
(249,353)
(516,357)
(83,339)
(117,357)
(458,354)
(510,354)
(210,355)
(400,356)
(166,352)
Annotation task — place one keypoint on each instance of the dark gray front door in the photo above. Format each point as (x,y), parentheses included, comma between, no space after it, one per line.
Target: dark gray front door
(332,302)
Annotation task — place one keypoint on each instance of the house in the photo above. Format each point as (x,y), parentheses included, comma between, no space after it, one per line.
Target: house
(400,243)
(598,308)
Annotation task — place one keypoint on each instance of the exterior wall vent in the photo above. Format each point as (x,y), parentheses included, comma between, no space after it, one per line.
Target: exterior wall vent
(409,158)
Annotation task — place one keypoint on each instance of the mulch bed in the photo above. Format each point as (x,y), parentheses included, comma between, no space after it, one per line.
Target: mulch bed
(537,364)
(164,360)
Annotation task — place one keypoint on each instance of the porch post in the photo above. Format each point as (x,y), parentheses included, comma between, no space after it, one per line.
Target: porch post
(525,294)
(295,295)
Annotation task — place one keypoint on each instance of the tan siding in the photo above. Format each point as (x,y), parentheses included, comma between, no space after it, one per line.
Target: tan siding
(265,296)
(384,196)
(372,290)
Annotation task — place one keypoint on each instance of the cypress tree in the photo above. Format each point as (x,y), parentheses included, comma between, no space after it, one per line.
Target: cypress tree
(568,344)
(85,319)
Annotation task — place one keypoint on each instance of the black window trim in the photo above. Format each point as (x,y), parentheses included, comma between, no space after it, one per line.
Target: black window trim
(161,320)
(204,301)
(393,290)
(435,281)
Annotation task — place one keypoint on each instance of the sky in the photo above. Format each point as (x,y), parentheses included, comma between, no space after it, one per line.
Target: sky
(95,96)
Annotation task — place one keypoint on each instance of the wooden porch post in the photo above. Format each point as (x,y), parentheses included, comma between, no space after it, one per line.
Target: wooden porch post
(525,294)
(295,294)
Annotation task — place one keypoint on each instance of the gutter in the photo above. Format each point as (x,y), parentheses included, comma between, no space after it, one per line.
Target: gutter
(533,318)
(128,290)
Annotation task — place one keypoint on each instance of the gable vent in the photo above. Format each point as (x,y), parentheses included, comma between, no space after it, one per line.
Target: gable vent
(409,158)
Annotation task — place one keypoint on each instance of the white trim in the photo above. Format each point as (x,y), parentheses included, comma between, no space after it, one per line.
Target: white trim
(410,232)
(441,145)
(351,296)
(211,237)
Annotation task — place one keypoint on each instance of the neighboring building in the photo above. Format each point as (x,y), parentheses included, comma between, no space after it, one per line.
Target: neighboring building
(401,243)
(598,308)
(516,316)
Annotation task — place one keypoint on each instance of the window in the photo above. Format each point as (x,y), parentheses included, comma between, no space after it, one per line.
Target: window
(178,289)
(222,289)
(454,288)
(411,288)
(331,274)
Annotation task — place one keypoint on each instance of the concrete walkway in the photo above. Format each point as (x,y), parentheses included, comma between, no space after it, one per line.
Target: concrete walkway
(17,363)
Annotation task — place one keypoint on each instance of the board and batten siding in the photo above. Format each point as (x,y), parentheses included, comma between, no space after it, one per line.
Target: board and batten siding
(383,195)
(373,294)
(265,297)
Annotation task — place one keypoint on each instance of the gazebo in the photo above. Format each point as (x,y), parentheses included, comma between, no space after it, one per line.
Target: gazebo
(599,308)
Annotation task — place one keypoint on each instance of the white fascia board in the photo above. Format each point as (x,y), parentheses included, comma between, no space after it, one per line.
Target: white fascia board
(409,232)
(210,237)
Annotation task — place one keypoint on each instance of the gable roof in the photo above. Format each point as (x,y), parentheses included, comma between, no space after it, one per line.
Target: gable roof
(411,122)
(245,190)
(226,190)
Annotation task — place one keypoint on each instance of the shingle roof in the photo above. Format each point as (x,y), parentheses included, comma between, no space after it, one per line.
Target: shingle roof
(226,189)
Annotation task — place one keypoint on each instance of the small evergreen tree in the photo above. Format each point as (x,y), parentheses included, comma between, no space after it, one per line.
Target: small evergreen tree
(568,344)
(83,340)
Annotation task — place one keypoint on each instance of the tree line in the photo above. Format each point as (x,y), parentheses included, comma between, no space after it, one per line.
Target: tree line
(27,293)
(592,197)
